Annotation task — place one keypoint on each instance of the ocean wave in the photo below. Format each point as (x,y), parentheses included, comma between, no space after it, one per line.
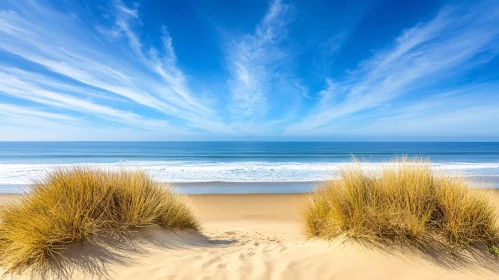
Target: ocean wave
(247,171)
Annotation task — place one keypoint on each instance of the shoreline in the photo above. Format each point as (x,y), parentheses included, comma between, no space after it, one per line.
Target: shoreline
(216,187)
(489,182)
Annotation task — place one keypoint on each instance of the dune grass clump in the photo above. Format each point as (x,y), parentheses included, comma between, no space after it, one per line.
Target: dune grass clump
(406,204)
(71,204)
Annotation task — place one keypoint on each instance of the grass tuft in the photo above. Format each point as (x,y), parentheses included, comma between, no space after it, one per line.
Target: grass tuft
(71,204)
(494,250)
(406,204)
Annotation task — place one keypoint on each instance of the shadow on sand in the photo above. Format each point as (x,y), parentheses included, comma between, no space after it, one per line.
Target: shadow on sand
(475,258)
(94,257)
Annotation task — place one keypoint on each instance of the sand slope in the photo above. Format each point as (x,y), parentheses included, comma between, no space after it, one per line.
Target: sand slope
(252,237)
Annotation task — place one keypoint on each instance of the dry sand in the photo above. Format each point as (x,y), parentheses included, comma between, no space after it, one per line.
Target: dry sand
(255,237)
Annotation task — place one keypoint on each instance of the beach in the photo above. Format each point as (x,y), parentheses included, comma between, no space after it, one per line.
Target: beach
(253,236)
(248,197)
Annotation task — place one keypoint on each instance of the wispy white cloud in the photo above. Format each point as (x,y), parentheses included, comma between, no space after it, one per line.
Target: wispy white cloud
(462,112)
(253,61)
(163,62)
(25,112)
(17,86)
(65,46)
(470,109)
(328,51)
(456,40)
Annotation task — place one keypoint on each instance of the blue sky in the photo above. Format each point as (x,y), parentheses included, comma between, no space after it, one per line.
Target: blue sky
(249,70)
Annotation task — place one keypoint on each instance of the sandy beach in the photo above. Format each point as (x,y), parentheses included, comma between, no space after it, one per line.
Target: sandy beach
(252,237)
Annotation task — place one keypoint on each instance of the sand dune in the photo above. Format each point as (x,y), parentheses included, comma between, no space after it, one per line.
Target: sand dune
(252,237)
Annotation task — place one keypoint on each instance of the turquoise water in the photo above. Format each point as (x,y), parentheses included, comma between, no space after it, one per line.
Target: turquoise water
(218,167)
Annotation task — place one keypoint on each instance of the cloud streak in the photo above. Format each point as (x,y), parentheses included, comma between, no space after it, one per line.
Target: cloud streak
(459,38)
(253,60)
(62,45)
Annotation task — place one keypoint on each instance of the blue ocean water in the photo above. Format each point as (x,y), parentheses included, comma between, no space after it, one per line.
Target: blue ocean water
(237,166)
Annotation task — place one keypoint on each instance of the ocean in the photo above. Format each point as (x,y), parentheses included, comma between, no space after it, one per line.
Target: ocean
(239,167)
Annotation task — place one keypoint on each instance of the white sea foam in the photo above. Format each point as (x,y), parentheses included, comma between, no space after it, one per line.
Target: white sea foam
(247,171)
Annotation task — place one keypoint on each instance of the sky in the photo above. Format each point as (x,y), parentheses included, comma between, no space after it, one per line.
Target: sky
(249,70)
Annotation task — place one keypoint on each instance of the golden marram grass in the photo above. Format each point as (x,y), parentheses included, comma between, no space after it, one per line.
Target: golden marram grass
(406,204)
(71,204)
